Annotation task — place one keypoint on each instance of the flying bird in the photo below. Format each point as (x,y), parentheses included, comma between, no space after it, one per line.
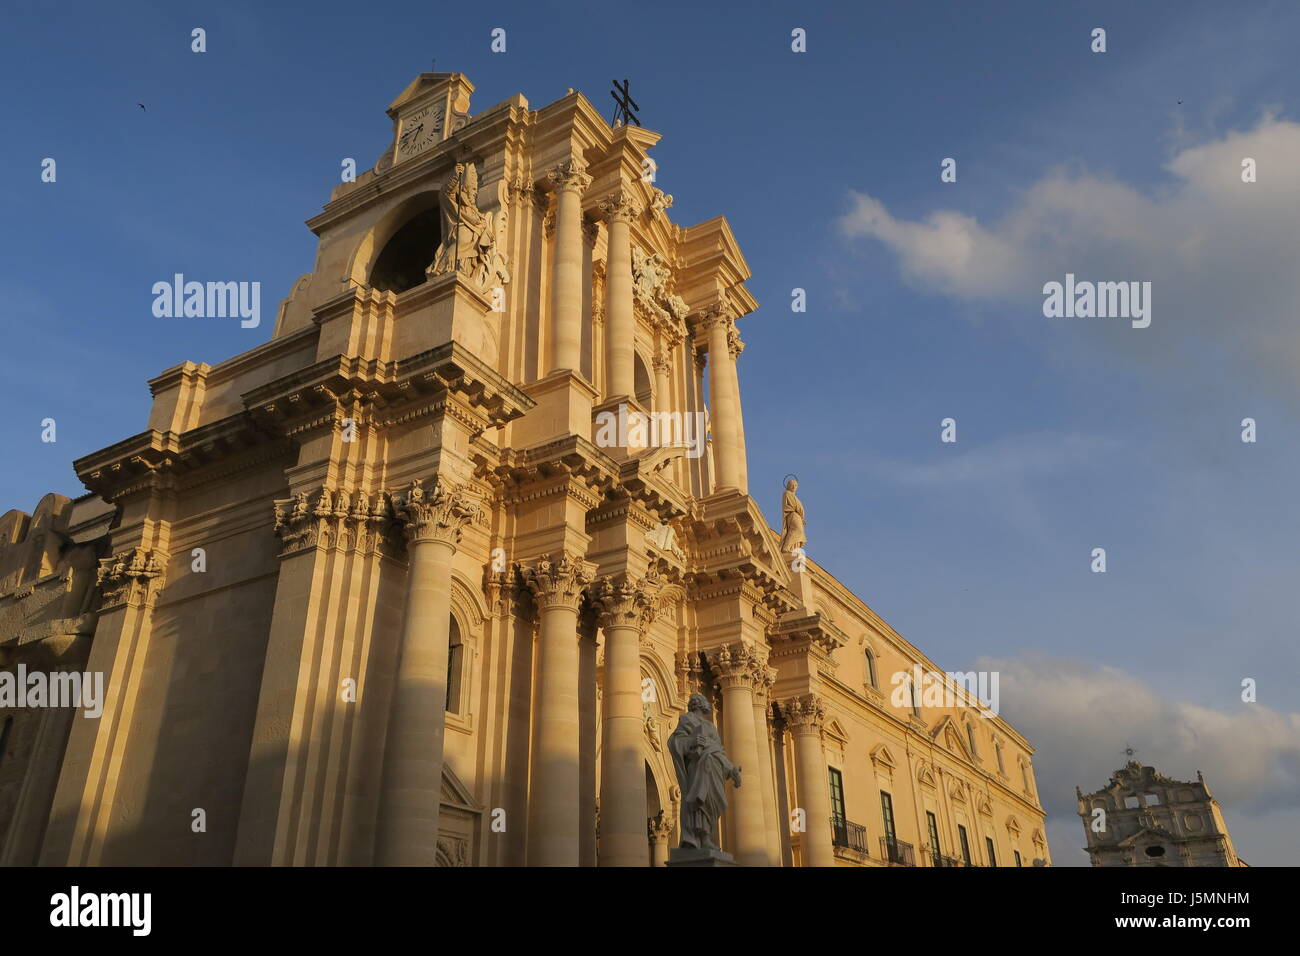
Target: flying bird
(141,105)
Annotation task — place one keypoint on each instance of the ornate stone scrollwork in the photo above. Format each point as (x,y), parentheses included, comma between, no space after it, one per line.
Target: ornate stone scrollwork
(132,577)
(621,601)
(437,515)
(570,176)
(618,207)
(351,521)
(736,664)
(557,583)
(804,714)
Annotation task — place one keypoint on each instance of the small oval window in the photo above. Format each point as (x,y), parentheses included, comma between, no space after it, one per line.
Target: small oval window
(1155,851)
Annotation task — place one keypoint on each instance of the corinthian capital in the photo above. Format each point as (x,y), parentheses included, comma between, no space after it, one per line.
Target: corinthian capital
(437,515)
(557,583)
(570,176)
(736,664)
(620,207)
(804,714)
(132,577)
(624,602)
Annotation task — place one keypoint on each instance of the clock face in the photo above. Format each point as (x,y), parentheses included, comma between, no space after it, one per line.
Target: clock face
(417,133)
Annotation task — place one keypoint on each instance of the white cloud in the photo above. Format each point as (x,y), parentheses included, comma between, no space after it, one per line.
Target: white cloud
(1220,253)
(1080,716)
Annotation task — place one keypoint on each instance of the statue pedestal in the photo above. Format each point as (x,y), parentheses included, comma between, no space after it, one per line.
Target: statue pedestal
(692,856)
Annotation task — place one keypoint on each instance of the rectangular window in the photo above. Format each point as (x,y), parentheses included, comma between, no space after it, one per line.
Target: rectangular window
(837,795)
(1017,853)
(887,808)
(965,844)
(934,832)
(993,857)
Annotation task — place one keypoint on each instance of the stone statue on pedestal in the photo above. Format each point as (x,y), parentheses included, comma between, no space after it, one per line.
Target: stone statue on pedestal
(792,525)
(702,771)
(473,242)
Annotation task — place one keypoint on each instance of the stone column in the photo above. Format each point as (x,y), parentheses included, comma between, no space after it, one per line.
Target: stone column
(762,711)
(625,607)
(734,666)
(659,830)
(554,809)
(620,319)
(734,347)
(722,399)
(663,398)
(571,181)
(805,716)
(411,794)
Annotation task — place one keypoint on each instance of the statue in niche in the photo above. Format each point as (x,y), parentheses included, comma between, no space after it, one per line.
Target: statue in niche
(702,769)
(473,242)
(792,520)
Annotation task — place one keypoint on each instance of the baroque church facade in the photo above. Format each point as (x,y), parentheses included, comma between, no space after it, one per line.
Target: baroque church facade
(383,590)
(1143,818)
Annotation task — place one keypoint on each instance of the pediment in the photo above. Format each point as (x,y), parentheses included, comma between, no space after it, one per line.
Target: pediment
(881,757)
(1144,835)
(456,794)
(947,733)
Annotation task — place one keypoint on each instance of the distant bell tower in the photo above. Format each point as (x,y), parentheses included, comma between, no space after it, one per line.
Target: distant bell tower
(1145,819)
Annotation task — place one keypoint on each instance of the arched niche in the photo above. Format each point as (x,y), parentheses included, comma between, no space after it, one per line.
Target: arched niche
(389,254)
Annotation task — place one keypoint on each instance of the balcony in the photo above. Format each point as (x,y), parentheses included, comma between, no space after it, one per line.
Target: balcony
(848,835)
(939,859)
(896,852)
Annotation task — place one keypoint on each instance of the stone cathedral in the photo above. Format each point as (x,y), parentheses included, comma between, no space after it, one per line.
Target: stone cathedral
(391,589)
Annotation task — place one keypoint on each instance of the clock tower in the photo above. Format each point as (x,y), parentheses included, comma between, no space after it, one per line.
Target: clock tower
(431,108)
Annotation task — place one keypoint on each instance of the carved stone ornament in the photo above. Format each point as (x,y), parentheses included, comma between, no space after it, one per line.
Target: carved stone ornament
(570,176)
(437,515)
(736,664)
(557,583)
(804,714)
(131,577)
(624,602)
(474,242)
(334,519)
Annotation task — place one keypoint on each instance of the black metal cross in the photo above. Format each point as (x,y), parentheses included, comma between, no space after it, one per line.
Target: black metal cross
(625,112)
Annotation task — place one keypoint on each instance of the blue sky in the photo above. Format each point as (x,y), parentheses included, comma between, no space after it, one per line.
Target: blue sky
(924,301)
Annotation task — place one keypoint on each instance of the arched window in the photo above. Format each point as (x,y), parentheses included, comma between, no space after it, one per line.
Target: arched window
(970,739)
(916,696)
(1024,773)
(641,382)
(408,253)
(455,662)
(997,749)
(871,668)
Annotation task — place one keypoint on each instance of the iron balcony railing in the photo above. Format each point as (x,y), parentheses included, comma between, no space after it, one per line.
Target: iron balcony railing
(897,852)
(849,834)
(939,859)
